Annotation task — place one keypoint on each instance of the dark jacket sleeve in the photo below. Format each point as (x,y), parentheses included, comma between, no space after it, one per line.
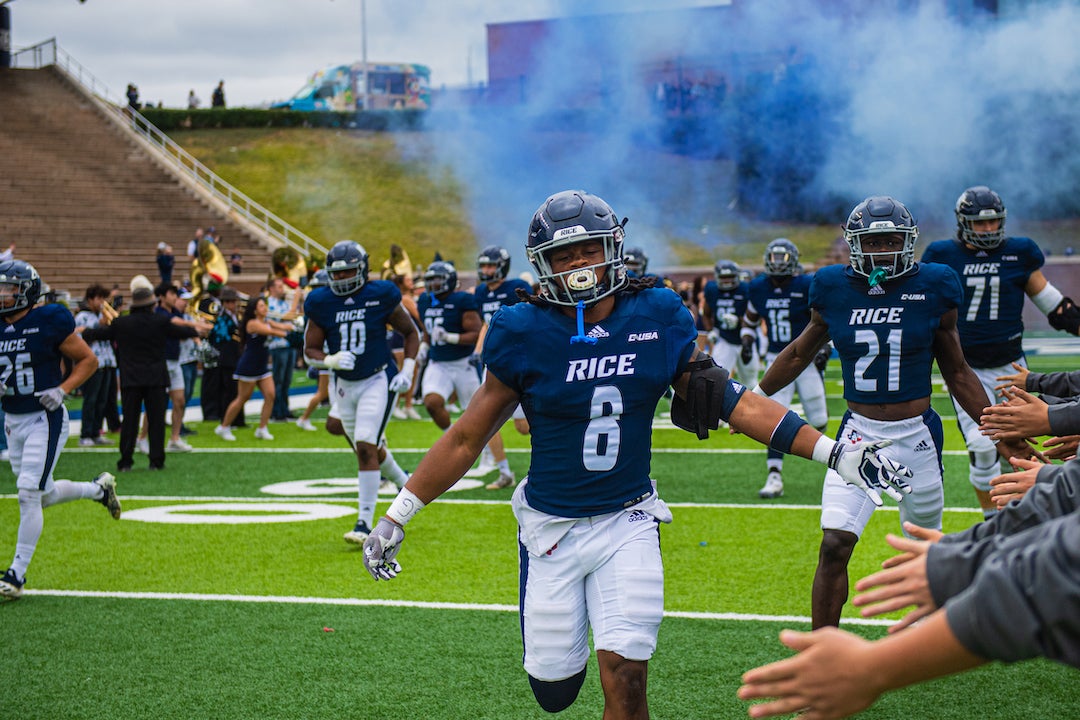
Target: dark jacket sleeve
(1064,417)
(1024,601)
(1059,384)
(101,332)
(952,563)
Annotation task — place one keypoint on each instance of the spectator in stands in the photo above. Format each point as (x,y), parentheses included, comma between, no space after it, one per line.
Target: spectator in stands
(193,244)
(133,96)
(193,101)
(218,98)
(165,262)
(236,262)
(95,391)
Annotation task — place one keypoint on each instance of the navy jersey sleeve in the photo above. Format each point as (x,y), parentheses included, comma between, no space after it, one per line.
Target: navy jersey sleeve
(504,353)
(1030,253)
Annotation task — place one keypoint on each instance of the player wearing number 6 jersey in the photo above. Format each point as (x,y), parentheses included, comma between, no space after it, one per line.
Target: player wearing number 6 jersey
(588,358)
(889,319)
(996,272)
(346,332)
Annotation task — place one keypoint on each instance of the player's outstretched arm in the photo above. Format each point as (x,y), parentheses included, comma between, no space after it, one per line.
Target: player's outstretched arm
(442,466)
(836,673)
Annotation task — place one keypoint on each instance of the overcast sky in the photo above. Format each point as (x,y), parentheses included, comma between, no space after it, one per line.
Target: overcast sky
(264,50)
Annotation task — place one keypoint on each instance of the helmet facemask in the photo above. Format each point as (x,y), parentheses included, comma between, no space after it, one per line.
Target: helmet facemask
(343,257)
(589,283)
(492,265)
(883,264)
(977,204)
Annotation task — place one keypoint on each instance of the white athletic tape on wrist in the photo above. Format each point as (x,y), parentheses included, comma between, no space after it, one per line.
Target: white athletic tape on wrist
(404,507)
(758,391)
(823,450)
(1047,299)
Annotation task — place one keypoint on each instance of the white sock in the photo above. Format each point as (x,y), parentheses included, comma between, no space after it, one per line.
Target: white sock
(31,523)
(367,495)
(486,458)
(392,470)
(65,491)
(504,466)
(774,466)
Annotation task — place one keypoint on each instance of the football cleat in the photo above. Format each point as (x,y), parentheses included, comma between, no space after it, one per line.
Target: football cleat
(358,534)
(224,433)
(388,487)
(10,586)
(107,482)
(305,424)
(101,440)
(774,486)
(410,412)
(86,442)
(505,480)
(263,434)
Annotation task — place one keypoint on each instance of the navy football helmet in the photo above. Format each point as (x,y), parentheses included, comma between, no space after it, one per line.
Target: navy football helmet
(876,216)
(26,286)
(440,278)
(344,256)
(493,255)
(980,203)
(319,279)
(636,261)
(781,258)
(570,217)
(727,274)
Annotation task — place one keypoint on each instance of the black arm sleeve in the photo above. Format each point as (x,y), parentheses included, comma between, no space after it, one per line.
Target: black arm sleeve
(1025,599)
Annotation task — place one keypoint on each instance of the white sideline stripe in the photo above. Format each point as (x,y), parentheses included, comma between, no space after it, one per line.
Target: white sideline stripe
(461,501)
(347,451)
(359,602)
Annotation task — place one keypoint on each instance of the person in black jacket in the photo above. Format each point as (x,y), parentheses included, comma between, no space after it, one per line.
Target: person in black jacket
(140,353)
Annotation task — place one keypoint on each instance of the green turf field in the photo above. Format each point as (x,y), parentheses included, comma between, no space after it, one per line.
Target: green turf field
(223,593)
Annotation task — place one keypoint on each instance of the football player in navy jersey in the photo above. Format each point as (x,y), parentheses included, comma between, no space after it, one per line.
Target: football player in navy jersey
(726,298)
(34,342)
(346,333)
(494,291)
(637,266)
(452,323)
(889,319)
(588,358)
(780,296)
(996,272)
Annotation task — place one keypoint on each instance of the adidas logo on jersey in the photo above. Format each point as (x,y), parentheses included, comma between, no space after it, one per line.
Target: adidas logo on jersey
(876,290)
(923,446)
(598,332)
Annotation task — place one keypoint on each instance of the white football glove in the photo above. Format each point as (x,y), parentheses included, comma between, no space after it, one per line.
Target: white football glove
(861,465)
(401,382)
(714,336)
(421,353)
(442,336)
(729,321)
(51,398)
(343,360)
(381,547)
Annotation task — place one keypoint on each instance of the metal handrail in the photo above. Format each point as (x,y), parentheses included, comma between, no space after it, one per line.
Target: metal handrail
(181,161)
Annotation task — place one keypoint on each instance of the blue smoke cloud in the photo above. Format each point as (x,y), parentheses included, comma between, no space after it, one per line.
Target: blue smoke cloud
(690,120)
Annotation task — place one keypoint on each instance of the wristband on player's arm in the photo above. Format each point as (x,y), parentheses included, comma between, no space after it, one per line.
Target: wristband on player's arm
(404,507)
(1047,299)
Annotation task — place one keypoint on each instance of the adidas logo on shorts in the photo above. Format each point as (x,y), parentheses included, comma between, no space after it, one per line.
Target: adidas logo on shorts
(923,446)
(638,515)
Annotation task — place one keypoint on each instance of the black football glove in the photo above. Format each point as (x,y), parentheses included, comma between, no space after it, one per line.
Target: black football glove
(746,354)
(1066,316)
